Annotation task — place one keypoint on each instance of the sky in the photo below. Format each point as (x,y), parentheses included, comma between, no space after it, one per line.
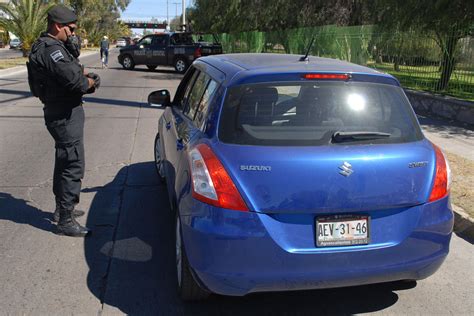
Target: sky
(148,9)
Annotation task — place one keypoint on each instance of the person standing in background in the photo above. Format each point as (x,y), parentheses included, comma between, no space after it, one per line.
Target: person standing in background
(104,51)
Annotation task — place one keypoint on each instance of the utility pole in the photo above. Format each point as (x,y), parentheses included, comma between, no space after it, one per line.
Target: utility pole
(176,9)
(184,14)
(167,15)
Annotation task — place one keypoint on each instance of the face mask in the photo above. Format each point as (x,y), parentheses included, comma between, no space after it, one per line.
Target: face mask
(73,46)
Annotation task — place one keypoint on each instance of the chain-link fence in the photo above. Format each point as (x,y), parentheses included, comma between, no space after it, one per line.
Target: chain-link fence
(420,61)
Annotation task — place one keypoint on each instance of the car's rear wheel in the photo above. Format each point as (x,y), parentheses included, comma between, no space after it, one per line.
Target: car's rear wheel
(151,67)
(181,65)
(158,160)
(188,289)
(128,62)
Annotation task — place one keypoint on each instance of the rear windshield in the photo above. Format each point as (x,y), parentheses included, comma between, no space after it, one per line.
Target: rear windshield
(310,113)
(182,39)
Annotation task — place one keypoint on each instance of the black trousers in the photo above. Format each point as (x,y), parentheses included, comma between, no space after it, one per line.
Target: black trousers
(67,131)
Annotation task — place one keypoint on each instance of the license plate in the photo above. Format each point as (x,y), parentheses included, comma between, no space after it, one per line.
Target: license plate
(342,230)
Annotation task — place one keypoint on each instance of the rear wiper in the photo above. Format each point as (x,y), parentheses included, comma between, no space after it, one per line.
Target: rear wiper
(339,137)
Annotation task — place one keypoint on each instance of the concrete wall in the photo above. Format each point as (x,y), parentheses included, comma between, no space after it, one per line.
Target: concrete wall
(433,105)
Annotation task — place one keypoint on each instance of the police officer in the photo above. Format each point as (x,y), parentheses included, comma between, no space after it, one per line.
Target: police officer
(57,78)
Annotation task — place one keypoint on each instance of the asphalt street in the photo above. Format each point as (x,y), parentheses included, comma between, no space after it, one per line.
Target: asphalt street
(10,53)
(127,265)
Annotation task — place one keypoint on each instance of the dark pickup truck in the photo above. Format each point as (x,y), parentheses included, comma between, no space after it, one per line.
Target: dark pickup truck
(173,49)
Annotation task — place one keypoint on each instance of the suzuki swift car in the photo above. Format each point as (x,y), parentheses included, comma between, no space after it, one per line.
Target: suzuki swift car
(288,173)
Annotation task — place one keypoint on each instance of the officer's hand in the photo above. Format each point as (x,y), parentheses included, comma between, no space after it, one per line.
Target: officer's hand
(94,77)
(97,82)
(91,85)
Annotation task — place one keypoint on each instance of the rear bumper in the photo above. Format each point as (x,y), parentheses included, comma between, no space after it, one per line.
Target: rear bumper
(235,253)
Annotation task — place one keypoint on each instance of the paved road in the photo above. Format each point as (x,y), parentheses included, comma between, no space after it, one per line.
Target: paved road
(127,265)
(9,53)
(453,137)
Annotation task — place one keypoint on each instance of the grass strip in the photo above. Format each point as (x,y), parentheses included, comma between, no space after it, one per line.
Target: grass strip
(462,189)
(12,62)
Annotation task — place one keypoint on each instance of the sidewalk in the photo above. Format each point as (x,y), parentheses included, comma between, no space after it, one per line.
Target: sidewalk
(456,139)
(20,69)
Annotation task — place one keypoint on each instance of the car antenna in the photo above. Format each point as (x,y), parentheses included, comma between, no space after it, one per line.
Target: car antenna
(305,57)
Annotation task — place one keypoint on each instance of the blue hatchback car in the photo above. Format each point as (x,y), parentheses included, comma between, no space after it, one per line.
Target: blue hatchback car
(290,174)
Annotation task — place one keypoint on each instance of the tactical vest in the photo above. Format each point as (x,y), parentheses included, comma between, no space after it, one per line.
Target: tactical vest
(44,85)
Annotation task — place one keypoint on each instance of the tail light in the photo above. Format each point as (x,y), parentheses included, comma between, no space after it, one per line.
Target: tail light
(442,181)
(211,182)
(197,53)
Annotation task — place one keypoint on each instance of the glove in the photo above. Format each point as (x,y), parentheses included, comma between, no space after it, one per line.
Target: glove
(96,79)
(92,88)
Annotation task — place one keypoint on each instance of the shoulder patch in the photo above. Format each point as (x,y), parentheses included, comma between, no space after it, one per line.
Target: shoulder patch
(56,56)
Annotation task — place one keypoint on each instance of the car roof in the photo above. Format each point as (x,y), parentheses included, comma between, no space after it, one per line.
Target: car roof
(238,66)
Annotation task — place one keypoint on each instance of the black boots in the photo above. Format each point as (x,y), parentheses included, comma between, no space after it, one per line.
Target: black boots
(68,226)
(76,213)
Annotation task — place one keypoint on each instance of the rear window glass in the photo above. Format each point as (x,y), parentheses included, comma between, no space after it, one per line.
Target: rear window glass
(182,39)
(316,113)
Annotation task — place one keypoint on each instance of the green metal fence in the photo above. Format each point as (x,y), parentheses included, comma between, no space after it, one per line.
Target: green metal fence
(415,59)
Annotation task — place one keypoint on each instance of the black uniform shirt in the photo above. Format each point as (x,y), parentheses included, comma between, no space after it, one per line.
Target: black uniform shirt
(65,80)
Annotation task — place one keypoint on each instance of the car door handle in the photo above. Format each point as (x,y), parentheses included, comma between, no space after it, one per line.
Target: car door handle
(168,125)
(179,144)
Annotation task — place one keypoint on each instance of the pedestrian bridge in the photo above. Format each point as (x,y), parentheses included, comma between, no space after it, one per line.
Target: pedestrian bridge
(144,24)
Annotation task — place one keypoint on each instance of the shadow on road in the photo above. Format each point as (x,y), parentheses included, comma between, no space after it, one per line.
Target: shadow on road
(132,267)
(446,128)
(21,94)
(158,70)
(18,211)
(114,102)
(161,74)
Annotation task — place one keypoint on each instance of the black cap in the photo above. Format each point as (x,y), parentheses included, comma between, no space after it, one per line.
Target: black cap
(61,14)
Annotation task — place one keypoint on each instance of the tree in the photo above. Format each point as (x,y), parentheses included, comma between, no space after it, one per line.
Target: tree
(175,23)
(446,20)
(97,18)
(234,16)
(26,19)
(275,17)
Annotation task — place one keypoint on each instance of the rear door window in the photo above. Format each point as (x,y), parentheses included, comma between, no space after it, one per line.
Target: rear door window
(312,113)
(203,106)
(196,94)
(183,101)
(159,41)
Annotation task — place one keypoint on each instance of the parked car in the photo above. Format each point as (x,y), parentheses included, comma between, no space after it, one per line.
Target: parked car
(292,175)
(169,49)
(15,43)
(121,42)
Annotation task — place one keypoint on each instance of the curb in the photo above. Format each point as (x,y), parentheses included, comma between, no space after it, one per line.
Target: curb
(463,224)
(21,69)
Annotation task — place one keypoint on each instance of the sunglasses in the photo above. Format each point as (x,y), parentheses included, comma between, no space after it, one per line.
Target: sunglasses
(71,29)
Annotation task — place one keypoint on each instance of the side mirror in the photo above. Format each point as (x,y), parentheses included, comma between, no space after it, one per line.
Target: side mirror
(160,98)
(141,46)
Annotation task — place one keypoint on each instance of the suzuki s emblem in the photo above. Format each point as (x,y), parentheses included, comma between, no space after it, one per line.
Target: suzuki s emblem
(346,169)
